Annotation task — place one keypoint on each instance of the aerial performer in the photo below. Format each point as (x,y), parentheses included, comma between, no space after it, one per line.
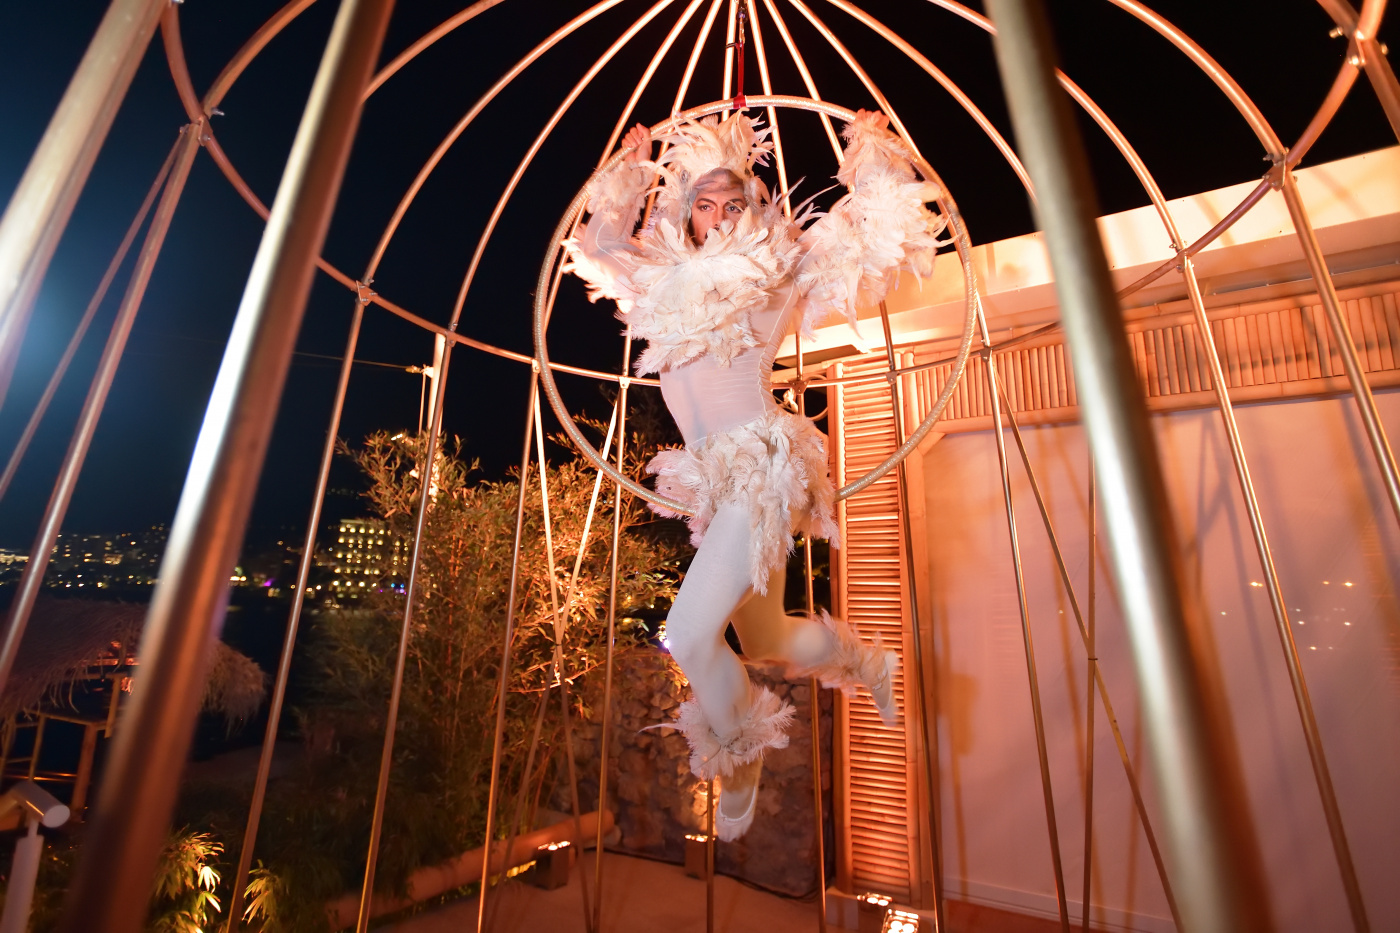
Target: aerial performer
(716,278)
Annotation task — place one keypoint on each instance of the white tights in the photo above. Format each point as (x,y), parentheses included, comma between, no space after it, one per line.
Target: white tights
(716,591)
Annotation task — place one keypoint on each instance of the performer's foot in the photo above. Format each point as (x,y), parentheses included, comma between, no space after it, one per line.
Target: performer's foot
(882,689)
(736,759)
(738,800)
(855,662)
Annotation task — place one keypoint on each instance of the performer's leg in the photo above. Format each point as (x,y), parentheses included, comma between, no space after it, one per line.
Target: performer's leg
(770,634)
(728,725)
(832,652)
(716,583)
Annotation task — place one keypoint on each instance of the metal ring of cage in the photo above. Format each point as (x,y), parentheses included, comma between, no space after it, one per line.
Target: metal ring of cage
(566,224)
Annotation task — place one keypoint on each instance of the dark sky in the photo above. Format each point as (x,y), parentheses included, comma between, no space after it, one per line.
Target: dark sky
(1190,137)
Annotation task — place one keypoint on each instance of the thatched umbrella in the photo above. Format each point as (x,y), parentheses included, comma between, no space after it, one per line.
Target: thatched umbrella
(67,638)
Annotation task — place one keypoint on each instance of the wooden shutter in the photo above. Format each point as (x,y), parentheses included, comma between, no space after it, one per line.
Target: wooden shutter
(877,801)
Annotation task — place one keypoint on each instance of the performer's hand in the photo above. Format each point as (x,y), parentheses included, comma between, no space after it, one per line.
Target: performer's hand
(876,117)
(637,144)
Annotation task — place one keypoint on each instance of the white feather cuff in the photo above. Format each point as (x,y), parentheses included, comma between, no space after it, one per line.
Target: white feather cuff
(764,726)
(775,466)
(869,236)
(853,662)
(622,190)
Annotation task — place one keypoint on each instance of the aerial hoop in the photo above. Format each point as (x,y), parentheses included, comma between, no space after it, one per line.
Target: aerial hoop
(565,227)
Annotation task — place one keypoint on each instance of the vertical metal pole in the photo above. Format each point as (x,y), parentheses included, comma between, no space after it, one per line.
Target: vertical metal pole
(428,471)
(927,719)
(1059,556)
(1311,734)
(1211,849)
(813,687)
(284,665)
(112,886)
(557,663)
(32,578)
(506,638)
(710,856)
(623,384)
(1042,752)
(1346,347)
(1093,671)
(98,296)
(39,209)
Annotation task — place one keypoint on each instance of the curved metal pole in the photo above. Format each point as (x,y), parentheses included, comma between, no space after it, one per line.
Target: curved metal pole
(1342,339)
(927,719)
(801,63)
(933,71)
(461,126)
(647,75)
(428,470)
(32,578)
(767,84)
(185,89)
(507,638)
(250,50)
(1215,865)
(111,888)
(43,200)
(694,59)
(1042,753)
(563,108)
(98,296)
(429,38)
(1212,69)
(284,664)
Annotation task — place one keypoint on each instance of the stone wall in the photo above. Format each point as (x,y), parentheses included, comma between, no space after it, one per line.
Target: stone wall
(658,801)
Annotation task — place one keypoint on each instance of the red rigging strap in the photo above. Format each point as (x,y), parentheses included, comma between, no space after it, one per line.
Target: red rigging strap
(740,102)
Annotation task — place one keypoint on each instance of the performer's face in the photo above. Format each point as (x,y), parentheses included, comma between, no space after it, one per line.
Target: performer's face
(713,207)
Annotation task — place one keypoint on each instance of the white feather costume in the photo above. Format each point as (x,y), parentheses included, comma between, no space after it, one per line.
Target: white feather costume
(696,306)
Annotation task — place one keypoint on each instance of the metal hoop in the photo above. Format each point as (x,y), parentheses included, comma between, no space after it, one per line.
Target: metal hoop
(571,214)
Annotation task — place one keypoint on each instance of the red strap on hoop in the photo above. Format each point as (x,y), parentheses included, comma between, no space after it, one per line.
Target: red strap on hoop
(740,102)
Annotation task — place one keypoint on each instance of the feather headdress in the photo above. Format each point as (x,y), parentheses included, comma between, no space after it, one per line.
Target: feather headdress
(735,144)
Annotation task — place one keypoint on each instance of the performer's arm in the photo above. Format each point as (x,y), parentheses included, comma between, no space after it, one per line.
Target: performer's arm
(882,226)
(602,253)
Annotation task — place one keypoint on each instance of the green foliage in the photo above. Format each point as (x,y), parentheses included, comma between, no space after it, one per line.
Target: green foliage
(186,879)
(316,824)
(183,898)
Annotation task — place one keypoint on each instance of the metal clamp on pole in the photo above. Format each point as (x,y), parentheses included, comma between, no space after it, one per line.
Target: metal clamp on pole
(1212,856)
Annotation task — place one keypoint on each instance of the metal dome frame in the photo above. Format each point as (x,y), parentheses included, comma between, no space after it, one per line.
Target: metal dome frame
(213,511)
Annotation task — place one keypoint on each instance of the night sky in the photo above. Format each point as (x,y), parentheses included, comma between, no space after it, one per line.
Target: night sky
(1188,134)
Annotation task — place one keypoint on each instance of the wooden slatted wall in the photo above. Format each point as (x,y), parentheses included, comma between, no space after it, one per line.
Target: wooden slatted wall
(876,803)
(1272,349)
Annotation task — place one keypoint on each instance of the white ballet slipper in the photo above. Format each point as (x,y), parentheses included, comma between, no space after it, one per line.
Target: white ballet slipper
(743,785)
